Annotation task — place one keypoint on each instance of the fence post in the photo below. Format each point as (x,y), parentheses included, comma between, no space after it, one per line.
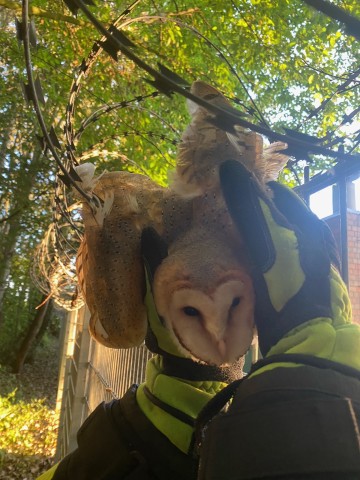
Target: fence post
(79,372)
(67,341)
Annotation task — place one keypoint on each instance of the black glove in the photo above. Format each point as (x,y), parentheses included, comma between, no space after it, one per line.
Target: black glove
(291,249)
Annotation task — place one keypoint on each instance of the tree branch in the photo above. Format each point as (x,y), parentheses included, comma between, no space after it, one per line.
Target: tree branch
(39,12)
(351,23)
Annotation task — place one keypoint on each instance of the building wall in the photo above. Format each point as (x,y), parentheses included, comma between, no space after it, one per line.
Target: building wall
(353,219)
(354,261)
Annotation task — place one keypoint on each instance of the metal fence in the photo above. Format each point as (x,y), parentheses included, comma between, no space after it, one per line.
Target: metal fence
(90,374)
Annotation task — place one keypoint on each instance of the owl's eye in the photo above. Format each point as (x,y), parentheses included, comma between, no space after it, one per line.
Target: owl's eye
(235,302)
(191,311)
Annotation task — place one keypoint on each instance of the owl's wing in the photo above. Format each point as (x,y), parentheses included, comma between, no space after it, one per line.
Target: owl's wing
(109,263)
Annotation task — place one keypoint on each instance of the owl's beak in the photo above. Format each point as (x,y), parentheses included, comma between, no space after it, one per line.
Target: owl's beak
(221,345)
(216,330)
(217,333)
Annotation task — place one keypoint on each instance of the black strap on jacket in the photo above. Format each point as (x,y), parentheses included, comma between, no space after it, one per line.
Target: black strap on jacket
(286,423)
(217,403)
(117,442)
(165,461)
(309,360)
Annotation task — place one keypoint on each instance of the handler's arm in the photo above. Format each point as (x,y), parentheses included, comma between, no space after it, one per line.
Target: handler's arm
(302,304)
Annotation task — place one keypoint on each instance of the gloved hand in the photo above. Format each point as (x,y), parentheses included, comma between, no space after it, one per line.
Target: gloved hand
(295,279)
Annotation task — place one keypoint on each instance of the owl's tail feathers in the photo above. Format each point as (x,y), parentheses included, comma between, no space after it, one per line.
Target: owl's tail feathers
(249,146)
(274,160)
(265,162)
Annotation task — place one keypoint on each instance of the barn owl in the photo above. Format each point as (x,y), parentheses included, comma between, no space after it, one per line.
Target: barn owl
(203,289)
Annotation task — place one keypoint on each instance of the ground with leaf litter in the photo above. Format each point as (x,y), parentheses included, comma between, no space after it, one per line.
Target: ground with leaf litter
(28,421)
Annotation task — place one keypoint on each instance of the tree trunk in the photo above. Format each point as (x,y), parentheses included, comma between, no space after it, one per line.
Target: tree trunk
(5,275)
(30,336)
(45,323)
(41,332)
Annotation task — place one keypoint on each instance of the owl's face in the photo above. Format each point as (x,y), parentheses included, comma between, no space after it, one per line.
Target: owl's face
(208,308)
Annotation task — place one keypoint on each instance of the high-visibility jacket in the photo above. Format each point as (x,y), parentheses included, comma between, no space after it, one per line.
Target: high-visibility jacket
(147,434)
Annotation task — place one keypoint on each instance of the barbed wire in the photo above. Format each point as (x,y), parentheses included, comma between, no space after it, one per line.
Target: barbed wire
(169,82)
(53,268)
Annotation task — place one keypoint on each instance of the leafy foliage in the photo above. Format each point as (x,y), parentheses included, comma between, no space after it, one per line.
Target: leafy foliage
(25,426)
(28,422)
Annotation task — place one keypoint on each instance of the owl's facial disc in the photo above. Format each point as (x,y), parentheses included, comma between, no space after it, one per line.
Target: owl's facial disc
(217,326)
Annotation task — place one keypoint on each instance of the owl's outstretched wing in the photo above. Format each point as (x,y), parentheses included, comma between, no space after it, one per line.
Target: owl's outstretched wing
(109,264)
(109,261)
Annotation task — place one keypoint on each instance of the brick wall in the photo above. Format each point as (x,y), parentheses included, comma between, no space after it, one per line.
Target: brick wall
(354,261)
(353,218)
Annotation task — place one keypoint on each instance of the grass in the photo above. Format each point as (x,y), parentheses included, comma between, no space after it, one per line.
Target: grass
(28,421)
